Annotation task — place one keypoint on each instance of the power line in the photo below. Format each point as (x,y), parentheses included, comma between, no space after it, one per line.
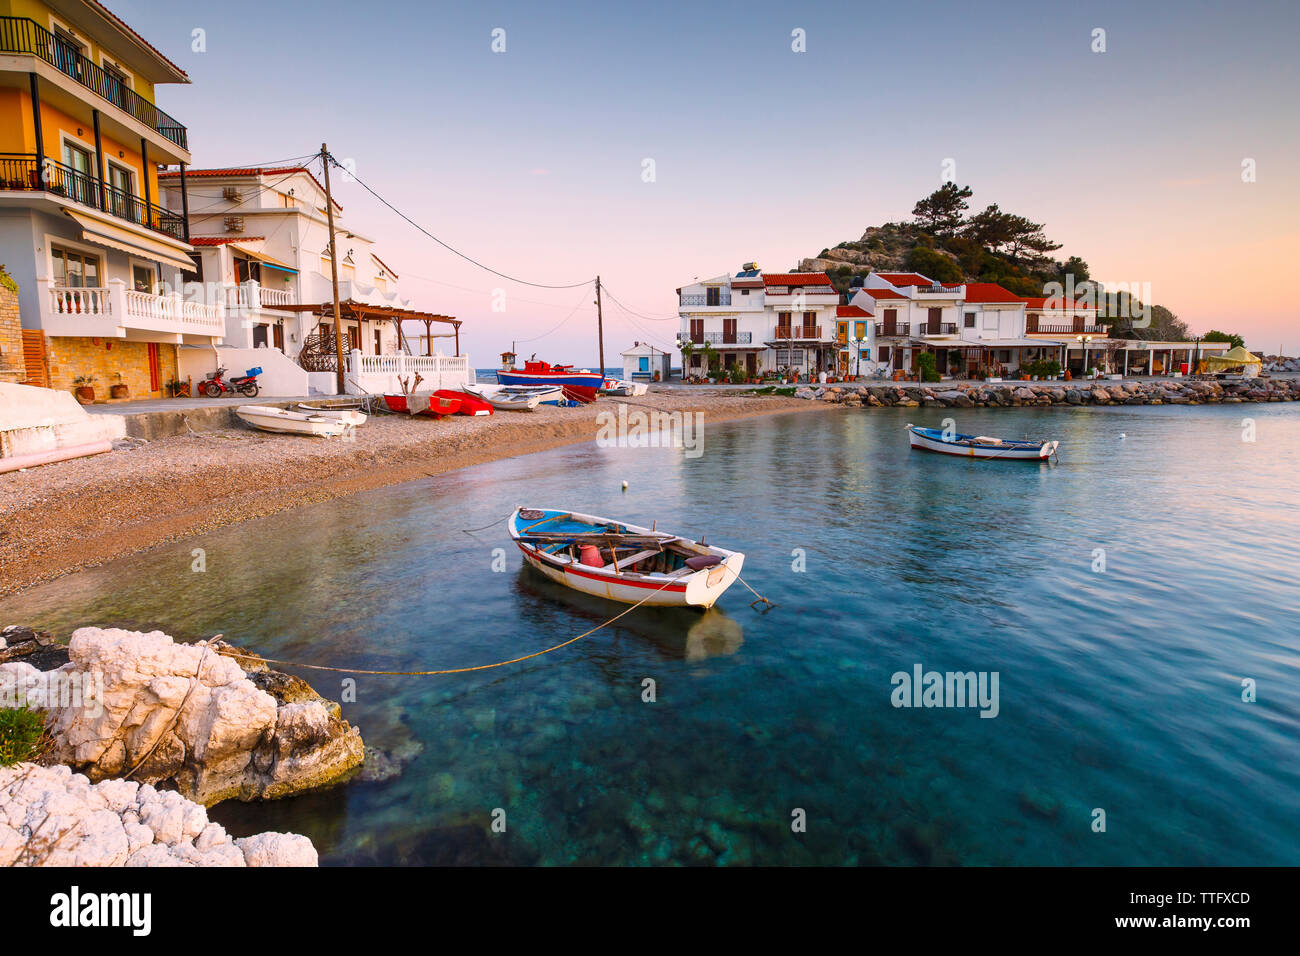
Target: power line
(571,314)
(536,285)
(641,315)
(258,191)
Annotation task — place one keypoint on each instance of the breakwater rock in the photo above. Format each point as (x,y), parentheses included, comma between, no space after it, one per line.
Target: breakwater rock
(1021,394)
(186,715)
(50,816)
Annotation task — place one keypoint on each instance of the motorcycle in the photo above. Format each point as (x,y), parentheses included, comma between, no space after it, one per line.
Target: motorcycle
(215,384)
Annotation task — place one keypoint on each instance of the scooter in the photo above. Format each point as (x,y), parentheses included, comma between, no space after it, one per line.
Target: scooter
(214,385)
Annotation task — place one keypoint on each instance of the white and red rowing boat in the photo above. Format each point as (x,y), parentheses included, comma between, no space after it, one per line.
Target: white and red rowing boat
(424,403)
(623,562)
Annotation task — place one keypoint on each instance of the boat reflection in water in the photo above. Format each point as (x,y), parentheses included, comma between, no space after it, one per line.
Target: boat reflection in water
(677,633)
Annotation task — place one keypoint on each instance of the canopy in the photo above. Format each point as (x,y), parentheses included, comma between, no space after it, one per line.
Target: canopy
(1237,357)
(157,246)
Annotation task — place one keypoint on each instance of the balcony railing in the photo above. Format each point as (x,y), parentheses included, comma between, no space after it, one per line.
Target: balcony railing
(898,329)
(1068,329)
(724,338)
(797,333)
(97,310)
(695,299)
(19,171)
(251,296)
(23,35)
(938,328)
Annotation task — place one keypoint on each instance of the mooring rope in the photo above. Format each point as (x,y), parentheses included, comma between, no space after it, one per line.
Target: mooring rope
(479,667)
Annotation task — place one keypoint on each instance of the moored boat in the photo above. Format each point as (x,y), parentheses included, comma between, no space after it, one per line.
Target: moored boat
(469,404)
(424,403)
(618,386)
(351,414)
(979,446)
(578,384)
(623,562)
(268,418)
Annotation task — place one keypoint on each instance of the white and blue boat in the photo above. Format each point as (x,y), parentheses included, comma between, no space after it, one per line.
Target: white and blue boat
(579,385)
(979,446)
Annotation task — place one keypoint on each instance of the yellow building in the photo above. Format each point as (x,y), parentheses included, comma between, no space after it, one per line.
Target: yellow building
(100,263)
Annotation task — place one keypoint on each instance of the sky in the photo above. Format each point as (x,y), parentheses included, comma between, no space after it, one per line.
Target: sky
(533,161)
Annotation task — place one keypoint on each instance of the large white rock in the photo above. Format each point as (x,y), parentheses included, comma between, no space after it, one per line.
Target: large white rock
(185,714)
(50,816)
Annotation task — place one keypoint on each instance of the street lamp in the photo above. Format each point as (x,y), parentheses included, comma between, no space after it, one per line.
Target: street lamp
(1084,339)
(855,343)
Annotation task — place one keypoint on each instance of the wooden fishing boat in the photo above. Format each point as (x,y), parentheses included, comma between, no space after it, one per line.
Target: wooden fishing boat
(580,385)
(268,418)
(424,403)
(352,414)
(979,446)
(623,562)
(515,398)
(469,404)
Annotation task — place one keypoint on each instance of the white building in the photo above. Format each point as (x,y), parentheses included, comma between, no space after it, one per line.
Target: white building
(644,362)
(261,238)
(761,321)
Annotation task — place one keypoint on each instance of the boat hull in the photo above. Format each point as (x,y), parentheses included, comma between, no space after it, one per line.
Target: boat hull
(698,589)
(437,406)
(513,399)
(579,386)
(349,416)
(968,446)
(270,419)
(469,404)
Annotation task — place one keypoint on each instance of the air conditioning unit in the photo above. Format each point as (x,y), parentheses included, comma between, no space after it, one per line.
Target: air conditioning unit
(234,224)
(232,193)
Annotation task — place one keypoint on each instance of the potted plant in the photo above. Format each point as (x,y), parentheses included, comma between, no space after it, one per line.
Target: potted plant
(85,390)
(120,390)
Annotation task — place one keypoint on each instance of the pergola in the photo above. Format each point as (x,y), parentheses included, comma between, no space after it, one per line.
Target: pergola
(351,309)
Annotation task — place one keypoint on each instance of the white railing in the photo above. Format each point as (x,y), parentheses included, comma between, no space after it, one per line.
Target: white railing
(103,311)
(382,374)
(251,296)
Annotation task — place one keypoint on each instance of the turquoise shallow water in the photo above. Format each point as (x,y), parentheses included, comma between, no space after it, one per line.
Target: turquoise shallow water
(1119,690)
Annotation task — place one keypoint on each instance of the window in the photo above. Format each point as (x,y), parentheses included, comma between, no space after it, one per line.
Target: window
(713,296)
(991,320)
(121,191)
(246,269)
(287,201)
(144,278)
(744,292)
(78,181)
(115,87)
(73,269)
(970,320)
(354,338)
(67,53)
(260,335)
(860,331)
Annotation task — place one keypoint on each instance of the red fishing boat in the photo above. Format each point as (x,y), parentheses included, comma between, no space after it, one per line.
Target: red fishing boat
(429,404)
(579,384)
(469,404)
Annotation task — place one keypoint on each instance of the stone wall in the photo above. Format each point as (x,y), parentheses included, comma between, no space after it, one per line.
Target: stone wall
(11,338)
(110,361)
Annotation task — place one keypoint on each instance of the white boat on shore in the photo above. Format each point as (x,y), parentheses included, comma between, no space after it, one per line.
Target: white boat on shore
(351,414)
(623,562)
(618,386)
(515,398)
(268,418)
(979,446)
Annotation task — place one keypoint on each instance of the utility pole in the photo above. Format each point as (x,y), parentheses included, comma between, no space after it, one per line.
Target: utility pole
(600,329)
(334,270)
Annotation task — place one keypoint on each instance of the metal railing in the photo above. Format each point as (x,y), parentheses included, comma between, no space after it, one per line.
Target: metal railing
(722,338)
(19,171)
(24,35)
(796,333)
(695,299)
(898,328)
(1068,329)
(938,328)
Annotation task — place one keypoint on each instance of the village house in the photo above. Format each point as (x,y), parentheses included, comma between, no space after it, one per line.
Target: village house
(762,322)
(262,249)
(97,259)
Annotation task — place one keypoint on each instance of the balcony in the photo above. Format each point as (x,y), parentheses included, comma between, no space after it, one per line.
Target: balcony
(255,297)
(1067,330)
(898,330)
(18,171)
(22,35)
(110,310)
(806,333)
(725,338)
(938,328)
(695,300)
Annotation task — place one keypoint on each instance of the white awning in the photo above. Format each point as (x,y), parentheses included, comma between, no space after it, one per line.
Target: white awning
(105,233)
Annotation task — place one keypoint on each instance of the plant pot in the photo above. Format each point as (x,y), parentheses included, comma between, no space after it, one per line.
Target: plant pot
(85,394)
(121,390)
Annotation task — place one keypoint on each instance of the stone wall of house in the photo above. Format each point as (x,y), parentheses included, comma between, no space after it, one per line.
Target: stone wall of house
(11,337)
(109,361)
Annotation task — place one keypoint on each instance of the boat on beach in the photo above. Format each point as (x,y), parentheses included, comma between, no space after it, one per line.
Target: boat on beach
(579,385)
(623,562)
(424,403)
(268,418)
(469,404)
(979,446)
(617,386)
(351,414)
(515,398)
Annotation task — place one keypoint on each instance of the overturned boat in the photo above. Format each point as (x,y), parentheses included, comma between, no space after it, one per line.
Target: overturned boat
(623,562)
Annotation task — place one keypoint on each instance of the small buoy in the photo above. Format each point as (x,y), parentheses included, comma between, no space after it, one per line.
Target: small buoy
(625,486)
(1123,435)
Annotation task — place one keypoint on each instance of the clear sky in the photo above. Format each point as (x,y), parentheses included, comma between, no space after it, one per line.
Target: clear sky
(532,160)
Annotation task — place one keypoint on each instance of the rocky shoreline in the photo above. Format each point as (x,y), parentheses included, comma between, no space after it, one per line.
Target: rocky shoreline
(156,731)
(1026,394)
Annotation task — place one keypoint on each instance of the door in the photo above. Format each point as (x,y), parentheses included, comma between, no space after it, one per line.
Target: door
(751,364)
(379,350)
(354,338)
(934,321)
(115,87)
(277,332)
(891,322)
(729,331)
(67,54)
(155,369)
(941,361)
(697,331)
(77,180)
(121,193)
